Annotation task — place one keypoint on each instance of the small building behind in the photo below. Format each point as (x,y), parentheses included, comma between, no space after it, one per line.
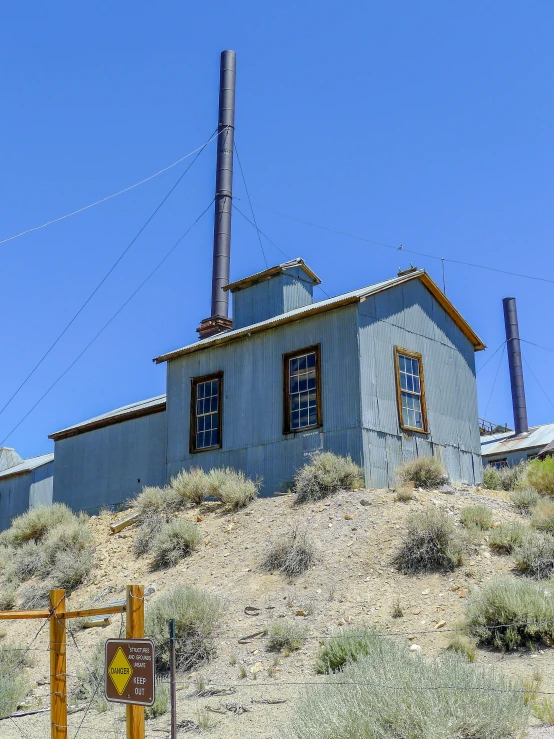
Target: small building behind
(506,449)
(24,483)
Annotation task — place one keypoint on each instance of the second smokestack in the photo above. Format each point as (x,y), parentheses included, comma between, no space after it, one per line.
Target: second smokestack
(516,366)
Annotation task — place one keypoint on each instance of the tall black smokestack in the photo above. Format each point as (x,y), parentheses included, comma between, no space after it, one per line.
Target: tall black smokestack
(219,320)
(516,368)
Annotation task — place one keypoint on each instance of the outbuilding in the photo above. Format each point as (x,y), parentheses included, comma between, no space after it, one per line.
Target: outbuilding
(24,483)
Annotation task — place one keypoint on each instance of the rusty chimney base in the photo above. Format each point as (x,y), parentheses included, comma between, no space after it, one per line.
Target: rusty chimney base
(213,325)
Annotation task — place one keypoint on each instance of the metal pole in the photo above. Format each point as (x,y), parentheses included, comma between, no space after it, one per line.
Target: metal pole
(58,666)
(172,680)
(135,630)
(516,366)
(224,184)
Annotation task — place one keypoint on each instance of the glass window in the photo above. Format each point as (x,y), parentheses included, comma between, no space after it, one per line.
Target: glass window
(206,413)
(499,464)
(302,390)
(411,398)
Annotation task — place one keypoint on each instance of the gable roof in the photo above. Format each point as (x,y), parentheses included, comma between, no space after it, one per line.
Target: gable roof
(27,465)
(547,451)
(127,412)
(280,269)
(506,442)
(322,306)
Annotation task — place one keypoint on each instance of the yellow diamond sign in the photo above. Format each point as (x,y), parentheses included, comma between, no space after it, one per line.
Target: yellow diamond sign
(120,671)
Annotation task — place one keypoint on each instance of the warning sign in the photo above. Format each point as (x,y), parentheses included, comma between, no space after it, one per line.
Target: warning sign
(130,671)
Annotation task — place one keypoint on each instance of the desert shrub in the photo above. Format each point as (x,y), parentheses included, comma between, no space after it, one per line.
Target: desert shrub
(424,472)
(7,596)
(191,485)
(543,709)
(345,646)
(232,487)
(176,540)
(535,556)
(506,537)
(543,515)
(326,473)
(26,562)
(161,702)
(292,554)
(507,614)
(90,680)
(479,516)
(155,501)
(35,594)
(286,636)
(431,542)
(540,475)
(14,684)
(463,644)
(67,553)
(505,478)
(34,524)
(370,709)
(151,524)
(404,494)
(197,615)
(524,499)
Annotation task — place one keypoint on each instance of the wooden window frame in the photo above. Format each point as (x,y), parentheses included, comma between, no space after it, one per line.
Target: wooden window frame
(398,350)
(195,381)
(316,348)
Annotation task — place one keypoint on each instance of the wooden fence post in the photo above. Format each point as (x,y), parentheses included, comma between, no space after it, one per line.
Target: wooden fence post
(135,630)
(58,666)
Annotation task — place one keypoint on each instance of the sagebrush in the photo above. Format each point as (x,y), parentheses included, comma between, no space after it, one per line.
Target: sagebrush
(197,615)
(431,542)
(292,554)
(369,709)
(524,499)
(542,517)
(174,541)
(286,636)
(507,614)
(506,537)
(540,475)
(477,516)
(535,556)
(424,472)
(14,683)
(325,474)
(345,646)
(34,524)
(463,644)
(505,478)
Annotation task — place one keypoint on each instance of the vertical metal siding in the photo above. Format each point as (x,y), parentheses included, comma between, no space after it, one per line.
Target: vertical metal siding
(272,297)
(24,491)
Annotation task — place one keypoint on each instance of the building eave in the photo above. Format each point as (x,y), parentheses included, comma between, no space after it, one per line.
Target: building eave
(266,274)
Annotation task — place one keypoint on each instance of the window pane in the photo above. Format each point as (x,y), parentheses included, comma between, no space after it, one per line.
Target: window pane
(302,391)
(207,414)
(311,359)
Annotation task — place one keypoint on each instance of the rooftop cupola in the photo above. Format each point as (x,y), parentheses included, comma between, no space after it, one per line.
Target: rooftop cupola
(272,292)
(8,458)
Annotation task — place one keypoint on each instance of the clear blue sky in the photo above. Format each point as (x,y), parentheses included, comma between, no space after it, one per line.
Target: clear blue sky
(422,124)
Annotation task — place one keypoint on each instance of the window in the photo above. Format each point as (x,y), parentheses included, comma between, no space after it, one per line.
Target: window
(499,464)
(302,390)
(410,389)
(532,456)
(205,416)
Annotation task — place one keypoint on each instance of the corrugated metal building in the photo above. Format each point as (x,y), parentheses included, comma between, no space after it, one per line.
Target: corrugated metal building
(24,483)
(392,376)
(106,460)
(508,449)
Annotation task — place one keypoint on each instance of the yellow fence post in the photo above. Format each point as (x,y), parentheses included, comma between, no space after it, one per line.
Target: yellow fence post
(135,630)
(58,663)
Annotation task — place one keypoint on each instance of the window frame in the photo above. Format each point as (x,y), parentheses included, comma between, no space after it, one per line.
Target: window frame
(398,350)
(495,462)
(316,348)
(194,382)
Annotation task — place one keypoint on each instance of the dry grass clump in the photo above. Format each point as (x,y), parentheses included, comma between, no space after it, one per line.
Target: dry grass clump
(161,702)
(232,487)
(326,473)
(14,684)
(463,644)
(285,636)
(197,615)
(404,494)
(431,542)
(540,475)
(345,646)
(292,554)
(505,478)
(90,680)
(155,501)
(176,540)
(543,709)
(535,556)
(506,537)
(424,472)
(543,515)
(151,525)
(524,499)
(56,551)
(34,524)
(476,516)
(370,709)
(507,614)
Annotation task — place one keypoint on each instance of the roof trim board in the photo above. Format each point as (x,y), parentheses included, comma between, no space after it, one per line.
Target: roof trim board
(331,304)
(266,274)
(127,413)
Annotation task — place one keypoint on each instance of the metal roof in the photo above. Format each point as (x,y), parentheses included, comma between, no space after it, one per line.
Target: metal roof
(503,443)
(28,465)
(329,304)
(135,410)
(547,451)
(266,274)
